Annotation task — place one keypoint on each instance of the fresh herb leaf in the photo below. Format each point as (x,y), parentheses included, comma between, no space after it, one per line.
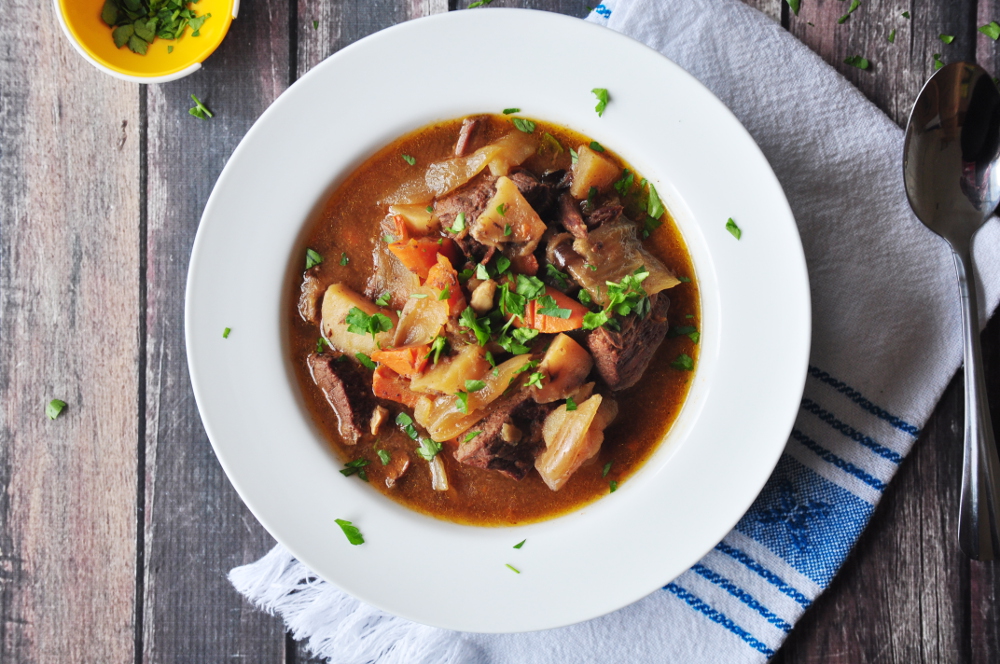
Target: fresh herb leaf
(503,263)
(654,207)
(489,358)
(445,294)
(520,544)
(854,5)
(469,436)
(409,160)
(479,3)
(574,157)
(459,224)
(684,280)
(856,61)
(54,408)
(596,147)
(536,379)
(607,469)
(683,362)
(312,259)
(613,485)
(584,297)
(418,296)
(547,306)
(359,322)
(947,39)
(507,230)
(383,299)
(794,6)
(937,61)
(991,30)
(570,404)
(365,361)
(479,327)
(315,24)
(199,110)
(482,272)
(351,531)
(384,456)
(602,100)
(344,260)
(438,346)
(624,185)
(561,278)
(527,126)
(905,15)
(225,333)
(474,385)
(593,320)
(405,423)
(733,228)
(502,211)
(508,111)
(463,401)
(428,448)
(321,343)
(352,467)
(513,568)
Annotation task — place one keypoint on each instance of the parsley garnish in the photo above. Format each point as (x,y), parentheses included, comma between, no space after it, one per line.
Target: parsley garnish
(856,61)
(593,320)
(561,278)
(689,331)
(199,110)
(584,297)
(683,362)
(503,263)
(353,534)
(513,568)
(507,230)
(613,485)
(409,160)
(359,322)
(54,408)
(137,23)
(418,296)
(469,436)
(596,147)
(570,404)
(459,224)
(535,379)
(365,361)
(344,260)
(320,343)
(383,299)
(991,30)
(905,15)
(508,111)
(479,3)
(794,6)
(428,448)
(312,259)
(356,466)
(520,544)
(937,61)
(482,272)
(474,385)
(489,358)
(733,228)
(445,294)
(438,346)
(315,24)
(502,211)
(654,207)
(854,5)
(225,333)
(405,423)
(547,306)
(684,280)
(602,100)
(479,327)
(527,126)
(384,456)
(624,185)
(607,469)
(463,401)
(947,39)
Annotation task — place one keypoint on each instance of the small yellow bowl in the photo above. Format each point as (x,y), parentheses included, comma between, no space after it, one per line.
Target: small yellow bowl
(81,21)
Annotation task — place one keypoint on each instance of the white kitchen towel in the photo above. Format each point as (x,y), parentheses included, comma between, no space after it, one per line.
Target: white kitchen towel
(886,342)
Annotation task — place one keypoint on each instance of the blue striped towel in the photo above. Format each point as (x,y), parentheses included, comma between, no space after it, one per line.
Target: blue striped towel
(886,342)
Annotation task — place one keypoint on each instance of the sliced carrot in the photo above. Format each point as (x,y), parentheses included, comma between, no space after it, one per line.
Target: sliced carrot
(552,324)
(419,254)
(387,384)
(443,277)
(407,361)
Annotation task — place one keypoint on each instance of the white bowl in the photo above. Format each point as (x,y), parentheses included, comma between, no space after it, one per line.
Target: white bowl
(755,320)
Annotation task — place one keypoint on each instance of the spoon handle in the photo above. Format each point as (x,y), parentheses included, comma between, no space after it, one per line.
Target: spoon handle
(979,508)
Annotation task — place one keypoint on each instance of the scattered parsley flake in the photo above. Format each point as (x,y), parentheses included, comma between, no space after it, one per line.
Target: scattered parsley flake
(358,322)
(54,408)
(482,272)
(683,363)
(384,456)
(513,568)
(225,333)
(445,294)
(574,157)
(596,147)
(315,24)
(428,448)
(508,111)
(365,360)
(469,436)
(547,306)
(170,49)
(344,260)
(561,278)
(854,5)
(507,230)
(383,299)
(947,39)
(570,404)
(199,110)
(503,263)
(418,296)
(857,61)
(520,544)
(905,15)
(794,6)
(613,485)
(355,467)
(463,401)
(733,228)
(502,211)
(892,37)
(474,385)
(320,344)
(351,531)
(527,126)
(607,469)
(479,3)
(991,30)
(312,259)
(438,346)
(459,224)
(535,379)
(602,100)
(937,61)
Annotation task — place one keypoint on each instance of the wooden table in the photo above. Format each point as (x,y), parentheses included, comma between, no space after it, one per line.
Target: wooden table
(117,525)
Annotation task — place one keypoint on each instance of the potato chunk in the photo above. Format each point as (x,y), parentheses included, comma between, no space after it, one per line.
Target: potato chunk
(525,227)
(418,220)
(337,304)
(449,375)
(572,437)
(512,150)
(592,169)
(566,364)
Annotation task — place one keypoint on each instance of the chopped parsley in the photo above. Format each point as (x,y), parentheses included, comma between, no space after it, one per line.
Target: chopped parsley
(602,100)
(429,208)
(856,61)
(905,15)
(570,404)
(355,467)
(54,408)
(584,297)
(596,147)
(463,401)
(527,126)
(607,469)
(312,259)
(438,346)
(854,5)
(489,358)
(351,531)
(383,299)
(405,423)
(315,24)
(384,456)
(520,544)
(320,344)
(445,294)
(508,111)
(561,278)
(733,228)
(474,385)
(199,110)
(536,379)
(624,185)
(225,333)
(613,485)
(365,361)
(573,155)
(991,30)
(428,449)
(503,263)
(594,319)
(689,331)
(794,6)
(947,39)
(469,436)
(344,260)
(418,296)
(937,61)
(409,160)
(513,568)
(507,230)
(482,272)
(684,280)
(683,363)
(479,326)
(654,206)
(359,322)
(502,211)
(547,306)
(459,224)
(136,24)
(625,297)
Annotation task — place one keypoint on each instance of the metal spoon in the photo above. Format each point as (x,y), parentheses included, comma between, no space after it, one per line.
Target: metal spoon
(951,167)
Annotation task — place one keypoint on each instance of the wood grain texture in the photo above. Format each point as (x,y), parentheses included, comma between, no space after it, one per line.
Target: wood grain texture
(196,527)
(69,302)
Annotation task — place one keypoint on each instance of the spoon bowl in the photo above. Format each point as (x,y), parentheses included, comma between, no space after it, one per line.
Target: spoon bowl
(951,170)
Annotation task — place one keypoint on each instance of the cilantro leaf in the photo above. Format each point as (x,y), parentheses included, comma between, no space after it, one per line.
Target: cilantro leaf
(508,111)
(356,466)
(365,361)
(513,568)
(991,30)
(312,259)
(536,379)
(613,485)
(351,531)
(359,322)
(574,157)
(892,36)
(428,449)
(527,126)
(683,362)
(593,320)
(602,100)
(734,229)
(654,207)
(624,185)
(409,160)
(503,263)
(54,408)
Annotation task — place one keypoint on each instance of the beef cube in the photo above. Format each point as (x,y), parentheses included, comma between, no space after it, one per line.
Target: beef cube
(541,195)
(515,457)
(570,217)
(605,214)
(348,389)
(621,357)
(470,199)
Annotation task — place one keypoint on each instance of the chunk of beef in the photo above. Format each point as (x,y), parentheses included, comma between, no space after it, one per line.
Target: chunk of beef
(469,126)
(570,217)
(540,194)
(622,357)
(514,457)
(603,215)
(348,389)
(470,199)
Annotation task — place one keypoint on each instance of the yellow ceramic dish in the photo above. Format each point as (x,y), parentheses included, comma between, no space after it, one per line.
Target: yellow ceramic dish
(81,21)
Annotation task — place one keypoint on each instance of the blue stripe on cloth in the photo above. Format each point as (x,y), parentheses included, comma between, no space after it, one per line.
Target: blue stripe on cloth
(741,595)
(806,519)
(811,406)
(766,574)
(861,401)
(601,10)
(718,617)
(830,457)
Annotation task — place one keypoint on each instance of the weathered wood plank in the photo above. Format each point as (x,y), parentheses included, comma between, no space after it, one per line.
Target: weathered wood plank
(69,305)
(196,527)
